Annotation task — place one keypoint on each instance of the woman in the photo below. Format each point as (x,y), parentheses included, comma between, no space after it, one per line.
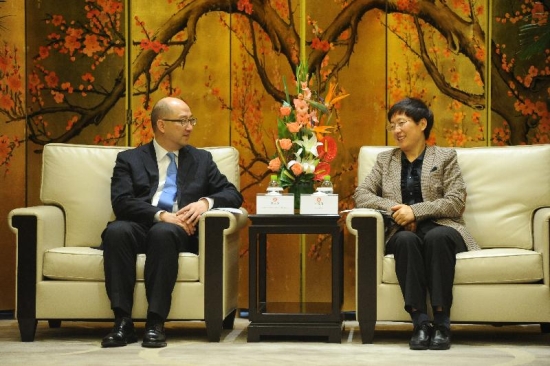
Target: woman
(421,187)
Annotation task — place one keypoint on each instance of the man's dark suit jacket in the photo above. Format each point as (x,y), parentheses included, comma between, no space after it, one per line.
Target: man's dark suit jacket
(136,178)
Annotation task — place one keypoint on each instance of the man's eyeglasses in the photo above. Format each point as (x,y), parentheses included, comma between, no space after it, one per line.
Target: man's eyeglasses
(185,121)
(399,123)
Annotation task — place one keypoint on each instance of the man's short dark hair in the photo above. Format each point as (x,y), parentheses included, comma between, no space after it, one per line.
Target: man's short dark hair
(415,109)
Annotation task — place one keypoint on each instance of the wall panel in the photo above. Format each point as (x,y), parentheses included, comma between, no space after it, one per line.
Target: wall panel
(227,59)
(12,136)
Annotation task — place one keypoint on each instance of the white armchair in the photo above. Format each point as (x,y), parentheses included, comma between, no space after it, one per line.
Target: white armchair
(507,212)
(60,272)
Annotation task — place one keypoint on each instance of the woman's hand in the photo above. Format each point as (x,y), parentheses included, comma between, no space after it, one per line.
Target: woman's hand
(403,215)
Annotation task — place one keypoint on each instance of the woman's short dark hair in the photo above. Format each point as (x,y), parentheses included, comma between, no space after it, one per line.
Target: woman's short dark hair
(415,109)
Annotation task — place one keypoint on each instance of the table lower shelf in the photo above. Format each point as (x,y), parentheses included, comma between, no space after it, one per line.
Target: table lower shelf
(296,319)
(333,331)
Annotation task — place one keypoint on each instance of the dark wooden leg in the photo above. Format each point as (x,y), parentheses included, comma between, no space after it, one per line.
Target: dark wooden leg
(214,330)
(254,275)
(26,275)
(213,282)
(253,335)
(335,336)
(367,331)
(366,276)
(229,321)
(54,323)
(27,329)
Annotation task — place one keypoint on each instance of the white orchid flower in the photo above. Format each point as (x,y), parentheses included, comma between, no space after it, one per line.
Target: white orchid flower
(308,165)
(309,144)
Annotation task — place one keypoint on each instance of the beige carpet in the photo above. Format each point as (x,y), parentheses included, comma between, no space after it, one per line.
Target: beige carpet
(78,343)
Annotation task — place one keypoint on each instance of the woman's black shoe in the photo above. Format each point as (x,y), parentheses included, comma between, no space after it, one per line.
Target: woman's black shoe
(420,339)
(441,338)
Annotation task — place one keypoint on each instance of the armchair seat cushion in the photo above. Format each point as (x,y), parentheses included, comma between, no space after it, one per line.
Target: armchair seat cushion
(86,264)
(487,266)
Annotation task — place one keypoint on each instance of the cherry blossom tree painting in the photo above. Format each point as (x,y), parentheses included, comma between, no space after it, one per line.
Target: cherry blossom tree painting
(520,70)
(95,68)
(12,91)
(446,41)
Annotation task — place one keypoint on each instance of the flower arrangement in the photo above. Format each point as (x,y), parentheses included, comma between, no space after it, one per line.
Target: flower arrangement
(304,147)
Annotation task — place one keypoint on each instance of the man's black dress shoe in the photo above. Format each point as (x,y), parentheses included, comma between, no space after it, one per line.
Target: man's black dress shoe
(154,336)
(441,338)
(123,333)
(420,339)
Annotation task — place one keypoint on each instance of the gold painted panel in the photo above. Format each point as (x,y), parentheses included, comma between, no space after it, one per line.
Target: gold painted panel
(12,134)
(228,59)
(436,52)
(181,49)
(75,73)
(520,83)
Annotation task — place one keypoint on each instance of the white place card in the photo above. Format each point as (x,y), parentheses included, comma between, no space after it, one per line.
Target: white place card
(319,204)
(275,204)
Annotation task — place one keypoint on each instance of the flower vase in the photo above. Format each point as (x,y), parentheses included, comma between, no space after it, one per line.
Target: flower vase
(298,188)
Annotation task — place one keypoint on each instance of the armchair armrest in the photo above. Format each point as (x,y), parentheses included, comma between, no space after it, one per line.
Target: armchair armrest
(541,239)
(368,227)
(219,233)
(238,218)
(219,224)
(37,229)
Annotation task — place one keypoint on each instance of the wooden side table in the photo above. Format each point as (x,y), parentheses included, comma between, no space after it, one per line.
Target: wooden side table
(293,319)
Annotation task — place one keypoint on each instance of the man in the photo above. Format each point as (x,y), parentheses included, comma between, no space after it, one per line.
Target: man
(158,193)
(421,187)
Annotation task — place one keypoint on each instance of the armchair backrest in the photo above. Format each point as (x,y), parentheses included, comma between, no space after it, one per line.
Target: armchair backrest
(77,178)
(505,186)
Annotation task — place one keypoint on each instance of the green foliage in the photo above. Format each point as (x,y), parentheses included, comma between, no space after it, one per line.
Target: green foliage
(534,39)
